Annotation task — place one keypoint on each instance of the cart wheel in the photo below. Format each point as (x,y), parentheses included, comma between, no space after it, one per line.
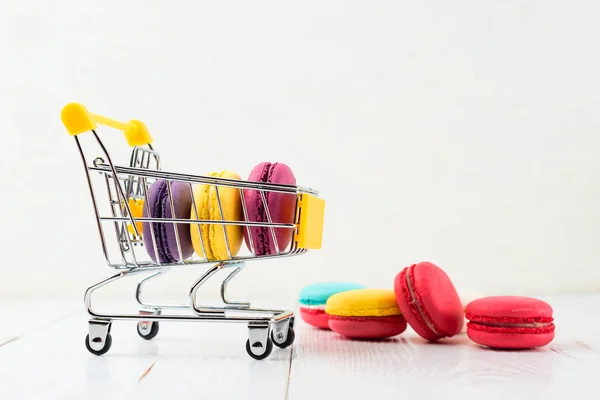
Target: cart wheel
(288,340)
(103,350)
(255,350)
(148,335)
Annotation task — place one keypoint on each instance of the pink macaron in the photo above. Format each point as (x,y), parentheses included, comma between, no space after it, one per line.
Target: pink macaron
(510,322)
(429,301)
(281,208)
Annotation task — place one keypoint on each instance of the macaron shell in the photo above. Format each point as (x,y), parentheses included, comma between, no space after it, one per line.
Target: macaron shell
(318,293)
(315,317)
(160,207)
(281,206)
(502,340)
(436,298)
(368,327)
(518,307)
(363,303)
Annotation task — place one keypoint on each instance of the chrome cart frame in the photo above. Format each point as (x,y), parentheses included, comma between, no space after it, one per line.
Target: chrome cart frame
(126,192)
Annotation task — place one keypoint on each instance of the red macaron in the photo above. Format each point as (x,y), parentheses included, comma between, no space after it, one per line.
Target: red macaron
(429,301)
(510,322)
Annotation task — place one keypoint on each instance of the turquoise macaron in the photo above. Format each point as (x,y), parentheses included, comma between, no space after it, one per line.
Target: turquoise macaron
(313,298)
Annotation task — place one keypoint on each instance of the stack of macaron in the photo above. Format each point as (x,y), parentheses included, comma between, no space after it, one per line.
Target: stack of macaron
(424,298)
(217,242)
(313,298)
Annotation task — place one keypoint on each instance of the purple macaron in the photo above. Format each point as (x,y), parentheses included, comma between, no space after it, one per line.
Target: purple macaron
(281,206)
(160,207)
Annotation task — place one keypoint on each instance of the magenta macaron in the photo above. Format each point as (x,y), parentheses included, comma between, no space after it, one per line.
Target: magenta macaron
(281,207)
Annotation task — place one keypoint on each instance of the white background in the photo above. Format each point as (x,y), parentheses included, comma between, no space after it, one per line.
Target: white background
(464,133)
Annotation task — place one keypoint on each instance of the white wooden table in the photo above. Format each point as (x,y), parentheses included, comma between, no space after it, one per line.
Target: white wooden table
(44,357)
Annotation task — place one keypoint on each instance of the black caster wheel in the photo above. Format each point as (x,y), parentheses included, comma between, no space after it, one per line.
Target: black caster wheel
(258,348)
(103,350)
(148,335)
(288,341)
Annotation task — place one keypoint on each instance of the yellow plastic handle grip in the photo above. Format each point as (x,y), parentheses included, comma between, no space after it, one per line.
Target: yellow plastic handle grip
(77,119)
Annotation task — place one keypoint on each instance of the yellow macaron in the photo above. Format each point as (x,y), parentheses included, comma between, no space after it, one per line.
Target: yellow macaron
(136,206)
(207,204)
(365,313)
(363,303)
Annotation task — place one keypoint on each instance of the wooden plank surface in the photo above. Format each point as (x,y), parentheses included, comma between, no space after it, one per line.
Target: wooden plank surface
(208,361)
(19,317)
(406,366)
(185,360)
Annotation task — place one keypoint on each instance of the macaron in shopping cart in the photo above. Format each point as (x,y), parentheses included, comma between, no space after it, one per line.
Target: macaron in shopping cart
(216,244)
(163,233)
(276,206)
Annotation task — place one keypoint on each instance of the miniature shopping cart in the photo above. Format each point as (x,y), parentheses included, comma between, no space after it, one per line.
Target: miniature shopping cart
(120,208)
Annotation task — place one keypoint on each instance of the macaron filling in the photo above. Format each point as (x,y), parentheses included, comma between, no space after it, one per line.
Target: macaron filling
(317,294)
(384,319)
(537,325)
(524,325)
(368,327)
(414,302)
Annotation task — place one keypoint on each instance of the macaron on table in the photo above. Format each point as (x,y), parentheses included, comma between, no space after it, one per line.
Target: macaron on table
(151,221)
(365,314)
(510,322)
(429,301)
(313,298)
(424,300)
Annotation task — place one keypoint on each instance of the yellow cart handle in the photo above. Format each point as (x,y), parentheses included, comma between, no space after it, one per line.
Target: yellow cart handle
(77,119)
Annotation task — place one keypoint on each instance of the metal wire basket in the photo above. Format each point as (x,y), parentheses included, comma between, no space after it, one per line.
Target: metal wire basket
(126,206)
